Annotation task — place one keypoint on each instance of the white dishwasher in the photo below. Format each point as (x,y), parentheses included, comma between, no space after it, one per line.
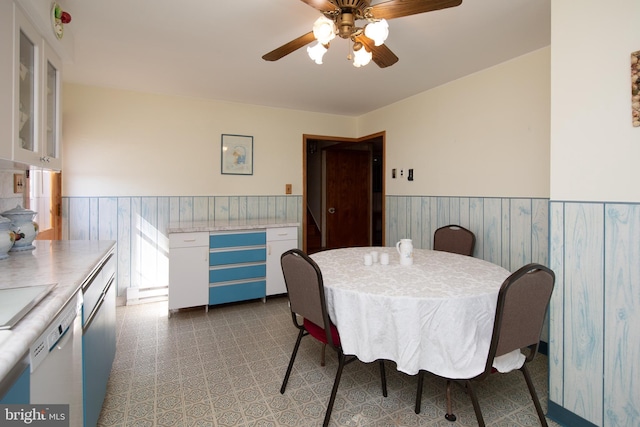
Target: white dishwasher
(56,362)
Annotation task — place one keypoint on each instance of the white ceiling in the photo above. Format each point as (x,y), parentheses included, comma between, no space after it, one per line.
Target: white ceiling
(213,49)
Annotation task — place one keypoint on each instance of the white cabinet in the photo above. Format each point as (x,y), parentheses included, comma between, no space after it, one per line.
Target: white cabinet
(36,85)
(279,240)
(188,269)
(30,86)
(6,80)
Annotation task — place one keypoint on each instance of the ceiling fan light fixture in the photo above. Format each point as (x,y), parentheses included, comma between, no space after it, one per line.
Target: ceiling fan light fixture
(377,31)
(361,56)
(324,30)
(316,52)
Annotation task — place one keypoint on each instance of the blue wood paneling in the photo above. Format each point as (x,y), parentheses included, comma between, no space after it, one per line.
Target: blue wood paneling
(622,316)
(594,347)
(492,232)
(139,224)
(583,309)
(509,232)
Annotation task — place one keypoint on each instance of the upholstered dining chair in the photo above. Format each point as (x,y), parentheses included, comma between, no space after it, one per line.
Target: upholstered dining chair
(455,239)
(522,305)
(305,288)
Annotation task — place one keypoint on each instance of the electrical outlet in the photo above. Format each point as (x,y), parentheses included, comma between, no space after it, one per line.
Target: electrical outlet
(287,189)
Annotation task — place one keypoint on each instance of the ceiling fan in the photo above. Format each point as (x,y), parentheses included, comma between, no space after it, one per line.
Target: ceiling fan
(340,18)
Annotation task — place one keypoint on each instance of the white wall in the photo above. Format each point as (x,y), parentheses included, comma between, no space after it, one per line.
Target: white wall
(119,143)
(495,122)
(594,227)
(594,148)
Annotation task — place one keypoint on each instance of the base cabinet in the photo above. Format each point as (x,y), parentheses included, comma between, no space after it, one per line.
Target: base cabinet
(15,387)
(188,269)
(279,240)
(219,267)
(98,339)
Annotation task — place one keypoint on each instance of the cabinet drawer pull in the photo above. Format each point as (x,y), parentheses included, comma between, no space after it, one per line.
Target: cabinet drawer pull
(189,240)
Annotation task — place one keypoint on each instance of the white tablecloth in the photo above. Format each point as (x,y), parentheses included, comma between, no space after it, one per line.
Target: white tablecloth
(436,314)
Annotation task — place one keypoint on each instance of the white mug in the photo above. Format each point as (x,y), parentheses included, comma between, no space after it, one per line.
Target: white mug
(367,259)
(374,256)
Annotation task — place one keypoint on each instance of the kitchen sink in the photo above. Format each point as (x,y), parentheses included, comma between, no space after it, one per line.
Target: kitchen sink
(15,303)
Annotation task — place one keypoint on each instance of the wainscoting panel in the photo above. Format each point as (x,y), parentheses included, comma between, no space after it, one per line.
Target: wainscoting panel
(139,225)
(594,346)
(509,232)
(583,309)
(622,315)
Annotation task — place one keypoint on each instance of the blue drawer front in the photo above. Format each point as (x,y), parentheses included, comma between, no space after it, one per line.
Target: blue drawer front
(237,273)
(236,257)
(238,292)
(243,239)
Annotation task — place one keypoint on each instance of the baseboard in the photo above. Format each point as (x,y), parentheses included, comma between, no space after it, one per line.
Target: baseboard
(565,417)
(543,348)
(142,296)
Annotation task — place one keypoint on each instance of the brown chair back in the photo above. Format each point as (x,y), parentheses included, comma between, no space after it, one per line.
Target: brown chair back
(455,239)
(303,279)
(522,306)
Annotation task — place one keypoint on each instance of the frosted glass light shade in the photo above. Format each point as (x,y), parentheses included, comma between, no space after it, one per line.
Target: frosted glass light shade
(377,31)
(324,30)
(316,52)
(361,57)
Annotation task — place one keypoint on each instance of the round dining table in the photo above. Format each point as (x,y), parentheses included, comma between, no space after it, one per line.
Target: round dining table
(435,315)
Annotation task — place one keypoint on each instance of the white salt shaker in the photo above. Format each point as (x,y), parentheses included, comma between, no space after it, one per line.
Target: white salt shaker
(367,259)
(384,258)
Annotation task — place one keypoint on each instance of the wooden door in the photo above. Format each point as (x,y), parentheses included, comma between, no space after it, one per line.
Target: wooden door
(51,229)
(348,198)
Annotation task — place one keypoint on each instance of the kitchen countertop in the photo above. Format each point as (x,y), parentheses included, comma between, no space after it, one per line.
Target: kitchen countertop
(65,262)
(229,225)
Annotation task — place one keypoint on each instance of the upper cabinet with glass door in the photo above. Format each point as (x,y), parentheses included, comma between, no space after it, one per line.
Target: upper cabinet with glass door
(37,98)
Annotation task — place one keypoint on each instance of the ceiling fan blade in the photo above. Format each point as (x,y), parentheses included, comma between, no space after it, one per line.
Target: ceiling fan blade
(321,5)
(399,8)
(287,48)
(381,55)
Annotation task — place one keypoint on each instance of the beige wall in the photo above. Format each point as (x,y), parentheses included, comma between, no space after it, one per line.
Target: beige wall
(119,143)
(494,123)
(594,148)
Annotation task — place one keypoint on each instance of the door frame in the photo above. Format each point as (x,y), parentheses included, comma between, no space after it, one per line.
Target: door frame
(365,139)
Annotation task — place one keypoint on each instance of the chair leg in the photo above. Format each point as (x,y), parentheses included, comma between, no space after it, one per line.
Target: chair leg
(383,378)
(324,348)
(334,390)
(534,395)
(449,416)
(419,392)
(476,404)
(293,358)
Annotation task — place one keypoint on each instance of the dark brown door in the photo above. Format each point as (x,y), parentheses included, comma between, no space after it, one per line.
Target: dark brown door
(348,189)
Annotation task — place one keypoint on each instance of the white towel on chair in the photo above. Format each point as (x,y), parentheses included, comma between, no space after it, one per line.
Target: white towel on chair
(508,362)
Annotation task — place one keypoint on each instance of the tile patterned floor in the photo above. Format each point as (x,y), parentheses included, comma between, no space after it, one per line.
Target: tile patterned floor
(225,367)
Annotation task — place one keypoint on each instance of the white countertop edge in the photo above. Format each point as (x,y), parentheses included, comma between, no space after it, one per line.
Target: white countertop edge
(209,226)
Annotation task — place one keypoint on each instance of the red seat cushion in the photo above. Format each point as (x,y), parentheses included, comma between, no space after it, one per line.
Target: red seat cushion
(318,333)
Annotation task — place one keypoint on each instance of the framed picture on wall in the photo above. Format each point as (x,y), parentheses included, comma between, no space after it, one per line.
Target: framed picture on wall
(237,155)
